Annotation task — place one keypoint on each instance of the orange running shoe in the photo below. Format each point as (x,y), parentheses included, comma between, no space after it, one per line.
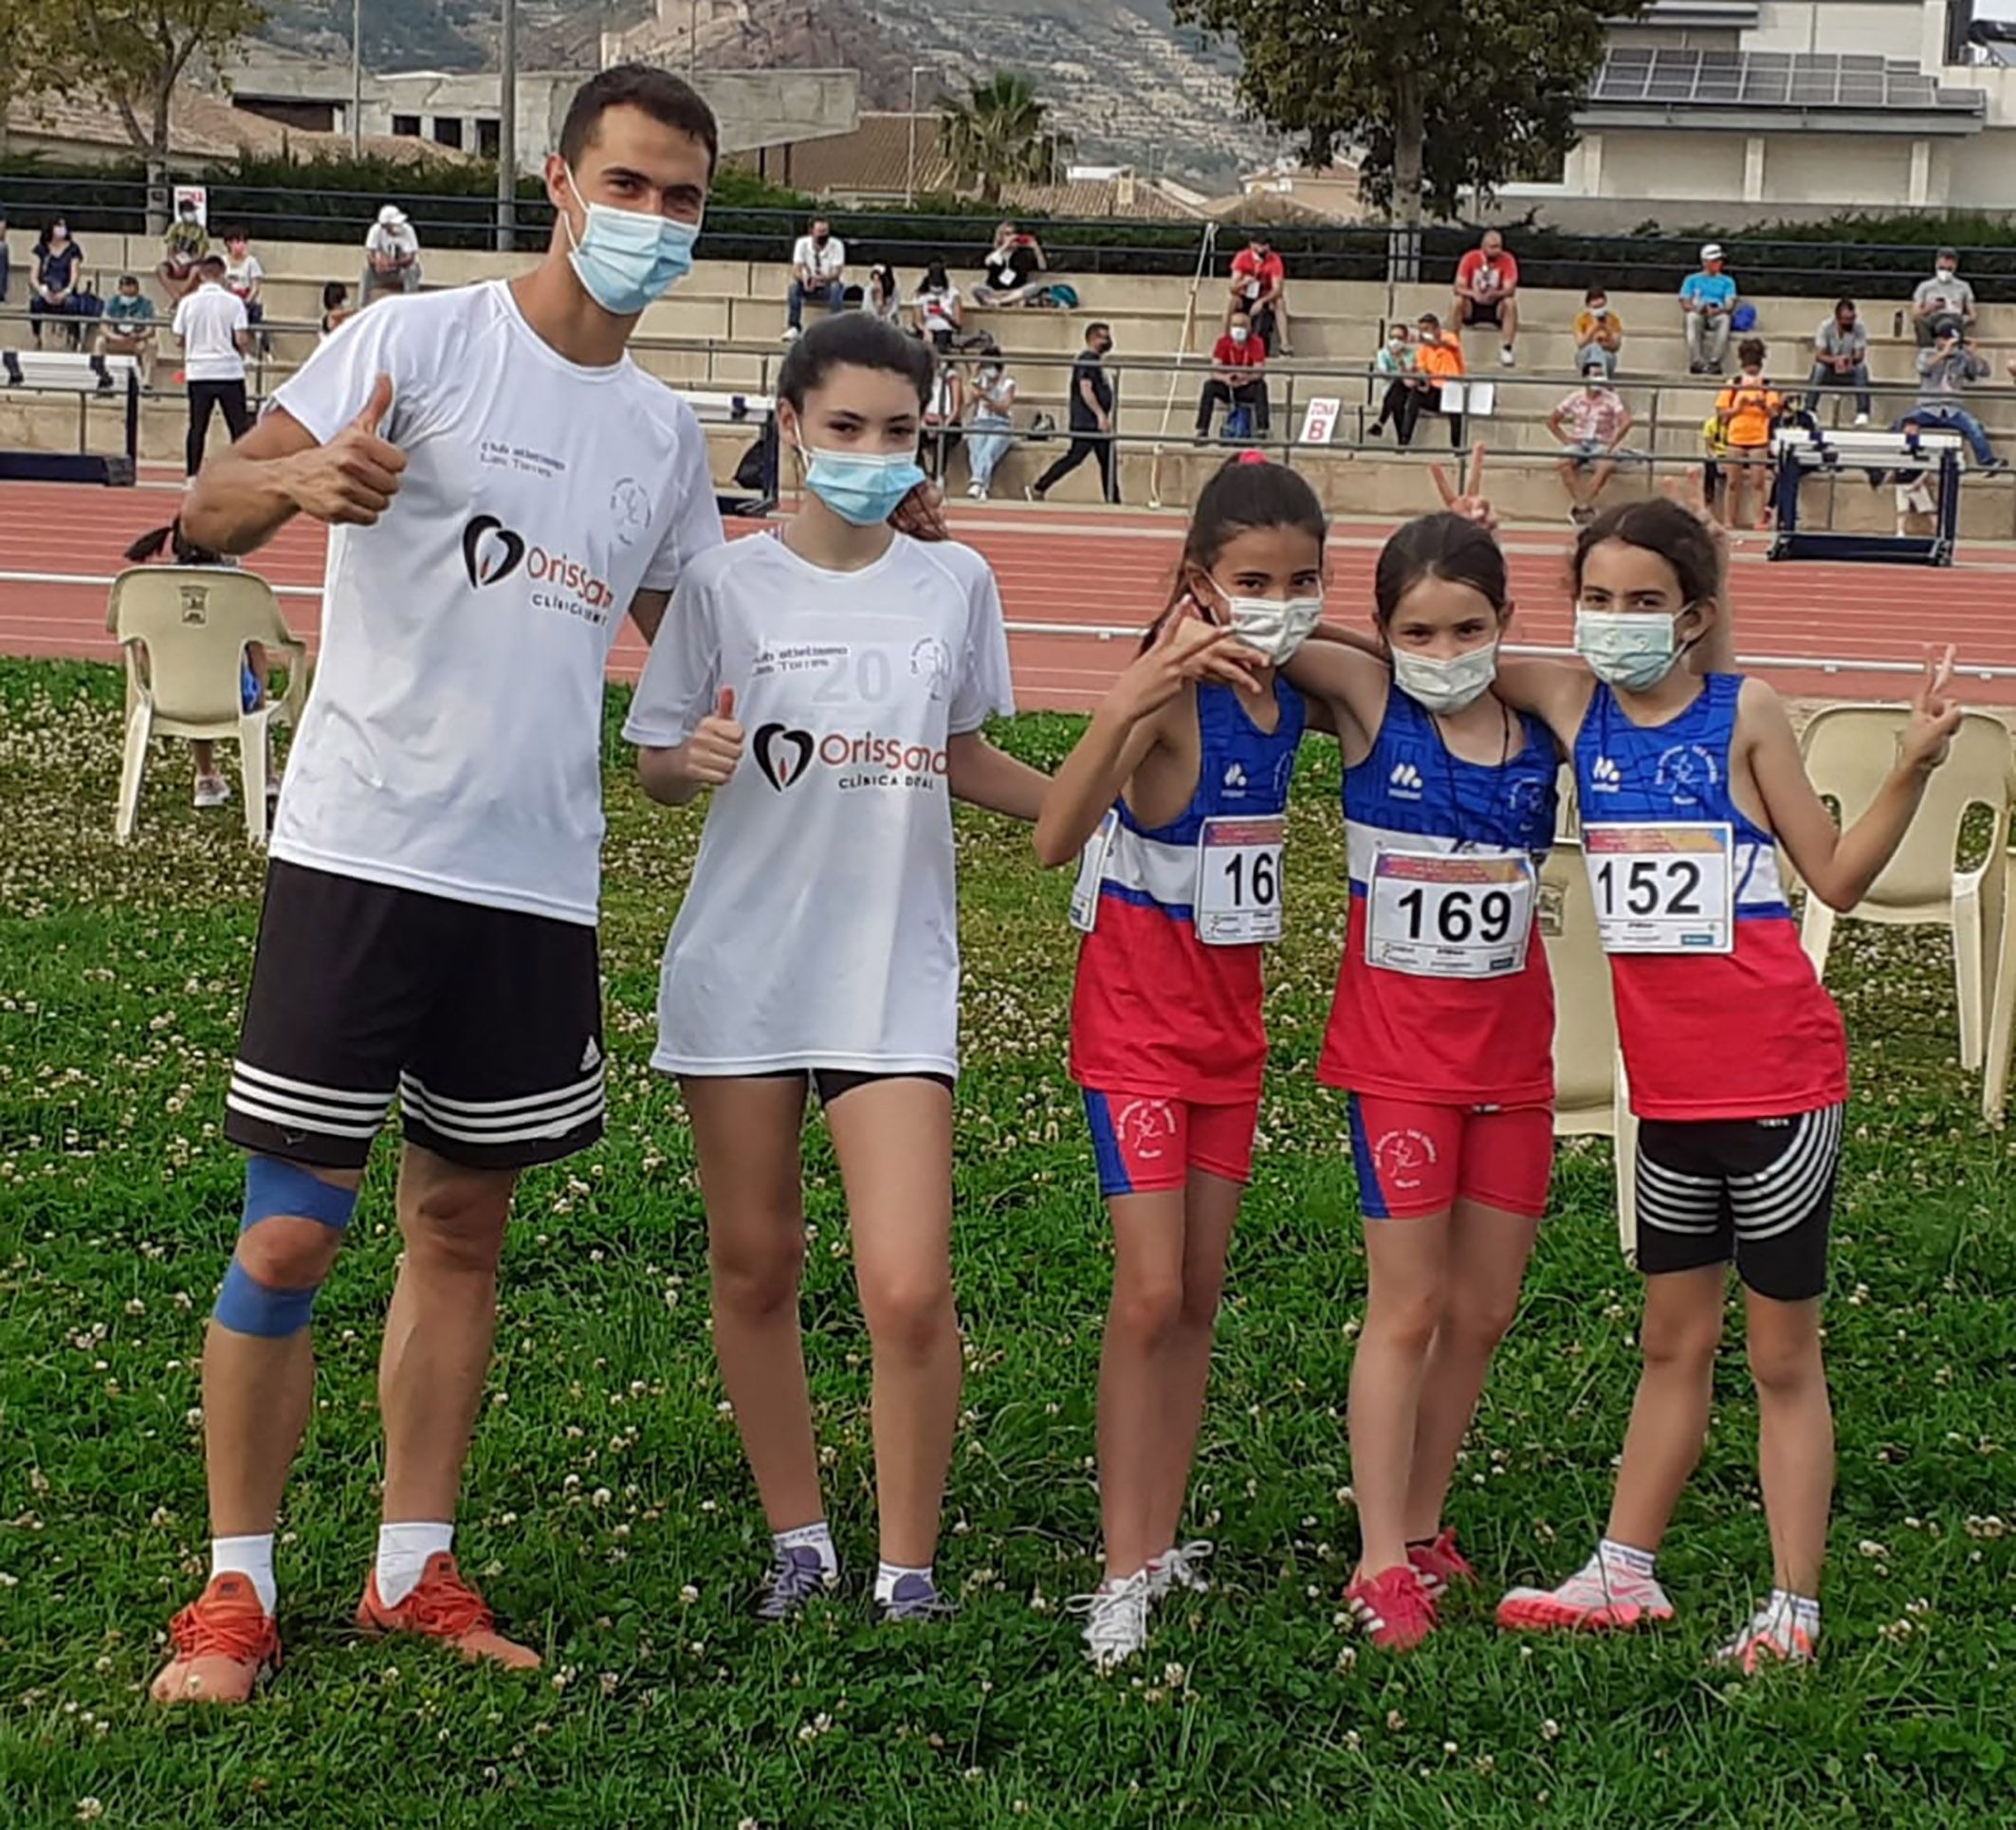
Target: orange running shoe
(225,1642)
(442,1606)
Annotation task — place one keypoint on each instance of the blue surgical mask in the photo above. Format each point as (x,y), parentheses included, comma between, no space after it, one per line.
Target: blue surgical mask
(625,258)
(862,488)
(1628,650)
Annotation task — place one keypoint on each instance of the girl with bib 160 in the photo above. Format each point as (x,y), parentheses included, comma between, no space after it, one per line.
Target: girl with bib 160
(1738,1065)
(1442,1030)
(829,685)
(1174,802)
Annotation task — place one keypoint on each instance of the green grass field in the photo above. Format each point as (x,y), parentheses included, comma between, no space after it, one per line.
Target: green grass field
(608,1516)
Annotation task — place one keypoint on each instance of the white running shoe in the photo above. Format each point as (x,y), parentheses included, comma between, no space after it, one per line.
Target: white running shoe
(212,791)
(1177,1568)
(1775,1635)
(1861,419)
(1597,1597)
(1116,1620)
(1506,355)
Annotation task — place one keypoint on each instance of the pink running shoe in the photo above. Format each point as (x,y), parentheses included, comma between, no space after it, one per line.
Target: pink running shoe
(1441,1565)
(1598,1597)
(1774,1636)
(1393,1608)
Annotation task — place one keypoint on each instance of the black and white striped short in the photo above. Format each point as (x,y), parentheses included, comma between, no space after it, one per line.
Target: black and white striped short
(486,1023)
(1760,1191)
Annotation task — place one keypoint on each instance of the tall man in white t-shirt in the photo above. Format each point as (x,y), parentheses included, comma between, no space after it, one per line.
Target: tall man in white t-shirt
(502,487)
(818,271)
(215,334)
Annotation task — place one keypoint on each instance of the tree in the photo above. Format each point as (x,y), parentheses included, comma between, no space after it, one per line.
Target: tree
(996,136)
(33,61)
(135,53)
(1436,96)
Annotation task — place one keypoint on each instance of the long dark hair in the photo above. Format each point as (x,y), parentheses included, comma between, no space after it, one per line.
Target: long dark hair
(1677,533)
(1245,494)
(1443,546)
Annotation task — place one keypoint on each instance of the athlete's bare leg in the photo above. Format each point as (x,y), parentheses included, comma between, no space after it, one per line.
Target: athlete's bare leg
(747,1134)
(1408,1266)
(894,1142)
(1487,1251)
(1795,1436)
(1142,1321)
(1669,1417)
(1212,1207)
(439,1328)
(257,1390)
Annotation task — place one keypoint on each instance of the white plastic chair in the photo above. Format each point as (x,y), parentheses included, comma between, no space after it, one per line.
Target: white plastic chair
(1850,751)
(184,631)
(1591,1095)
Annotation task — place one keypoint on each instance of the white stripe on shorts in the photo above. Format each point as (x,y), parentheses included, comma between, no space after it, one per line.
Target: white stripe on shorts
(508,1121)
(301,1106)
(1677,1203)
(1776,1199)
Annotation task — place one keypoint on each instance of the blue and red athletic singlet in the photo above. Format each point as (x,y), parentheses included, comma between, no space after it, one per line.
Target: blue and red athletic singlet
(1155,1010)
(1748,1034)
(1464,1041)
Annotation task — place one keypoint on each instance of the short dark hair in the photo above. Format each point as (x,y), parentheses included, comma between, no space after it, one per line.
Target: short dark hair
(129,280)
(334,293)
(1843,304)
(853,339)
(236,232)
(670,100)
(1429,317)
(1098,324)
(1750,352)
(1594,293)
(212,266)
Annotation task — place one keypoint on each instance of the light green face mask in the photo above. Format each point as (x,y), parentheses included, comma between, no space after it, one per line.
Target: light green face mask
(1628,650)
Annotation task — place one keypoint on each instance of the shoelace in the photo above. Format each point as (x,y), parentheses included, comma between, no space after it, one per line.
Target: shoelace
(1773,1632)
(1180,1569)
(1393,1603)
(200,1635)
(925,1605)
(446,1606)
(1116,1617)
(793,1583)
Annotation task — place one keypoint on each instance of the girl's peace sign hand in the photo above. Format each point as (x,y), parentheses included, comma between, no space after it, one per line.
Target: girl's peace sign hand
(1471,503)
(1934,717)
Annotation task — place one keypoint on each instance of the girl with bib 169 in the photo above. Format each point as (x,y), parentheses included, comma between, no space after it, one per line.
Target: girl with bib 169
(1441,1031)
(829,685)
(1689,784)
(1174,802)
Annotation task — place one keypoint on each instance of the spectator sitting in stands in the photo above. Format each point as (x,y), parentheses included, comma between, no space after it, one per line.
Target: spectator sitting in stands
(186,243)
(1945,295)
(883,297)
(1406,390)
(392,255)
(1236,379)
(59,263)
(1748,407)
(127,329)
(1012,264)
(990,424)
(1439,359)
(1259,288)
(944,414)
(337,307)
(1591,423)
(1944,371)
(1599,329)
(936,313)
(818,271)
(1487,289)
(242,274)
(1841,358)
(1707,301)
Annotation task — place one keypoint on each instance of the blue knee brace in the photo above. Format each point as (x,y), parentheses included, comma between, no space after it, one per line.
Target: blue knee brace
(274,1189)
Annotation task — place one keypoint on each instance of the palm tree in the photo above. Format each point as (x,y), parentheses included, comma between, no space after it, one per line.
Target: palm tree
(996,136)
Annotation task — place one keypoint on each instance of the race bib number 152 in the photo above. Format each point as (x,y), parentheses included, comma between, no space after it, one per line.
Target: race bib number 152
(1662,888)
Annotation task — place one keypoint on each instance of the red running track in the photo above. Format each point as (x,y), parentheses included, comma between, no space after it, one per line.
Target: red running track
(1091,567)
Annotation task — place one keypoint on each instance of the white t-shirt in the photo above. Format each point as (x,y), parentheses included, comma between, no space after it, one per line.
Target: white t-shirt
(242,276)
(452,741)
(208,321)
(825,262)
(388,242)
(820,929)
(935,309)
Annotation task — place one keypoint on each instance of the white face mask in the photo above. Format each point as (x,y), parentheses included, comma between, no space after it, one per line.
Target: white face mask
(1443,686)
(1240,333)
(1275,626)
(1628,650)
(1947,270)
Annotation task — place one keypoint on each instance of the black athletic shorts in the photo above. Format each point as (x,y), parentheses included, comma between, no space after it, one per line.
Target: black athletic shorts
(486,1022)
(1485,311)
(830,1083)
(1760,1191)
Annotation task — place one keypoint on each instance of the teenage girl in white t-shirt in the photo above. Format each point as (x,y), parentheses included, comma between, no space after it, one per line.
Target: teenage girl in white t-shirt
(829,685)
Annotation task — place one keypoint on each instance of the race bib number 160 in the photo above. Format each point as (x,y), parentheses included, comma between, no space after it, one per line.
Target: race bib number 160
(1238,881)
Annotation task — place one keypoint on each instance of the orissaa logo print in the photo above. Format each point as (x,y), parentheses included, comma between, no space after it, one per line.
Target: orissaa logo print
(490,551)
(783,754)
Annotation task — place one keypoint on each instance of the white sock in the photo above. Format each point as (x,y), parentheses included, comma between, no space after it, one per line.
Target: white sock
(1804,1609)
(1627,1558)
(252,1558)
(816,1536)
(403,1552)
(888,1575)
